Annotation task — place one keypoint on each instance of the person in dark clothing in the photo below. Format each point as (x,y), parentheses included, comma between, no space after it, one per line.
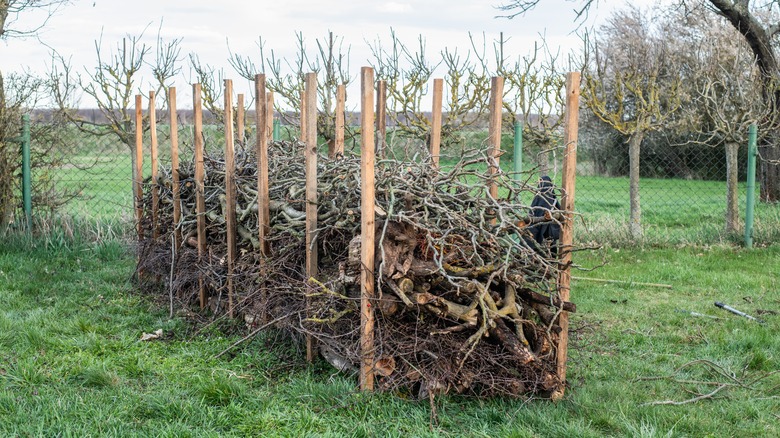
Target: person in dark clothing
(543,205)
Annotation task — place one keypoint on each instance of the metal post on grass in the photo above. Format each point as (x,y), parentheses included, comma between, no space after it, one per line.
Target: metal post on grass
(277,130)
(751,185)
(518,151)
(24,140)
(26,171)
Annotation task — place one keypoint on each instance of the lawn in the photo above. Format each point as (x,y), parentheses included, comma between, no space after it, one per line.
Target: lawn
(72,363)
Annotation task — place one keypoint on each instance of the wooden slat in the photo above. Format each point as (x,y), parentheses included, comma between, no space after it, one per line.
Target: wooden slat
(269,103)
(263,201)
(303,116)
(367,230)
(567,229)
(138,175)
(230,192)
(494,134)
(310,139)
(438,97)
(155,164)
(381,118)
(341,99)
(240,116)
(200,199)
(174,124)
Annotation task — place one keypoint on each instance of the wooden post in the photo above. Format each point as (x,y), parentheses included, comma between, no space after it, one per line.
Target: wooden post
(438,93)
(174,124)
(153,142)
(381,118)
(230,192)
(263,201)
(567,229)
(240,116)
(269,121)
(302,122)
(341,99)
(311,188)
(367,230)
(200,184)
(139,161)
(494,135)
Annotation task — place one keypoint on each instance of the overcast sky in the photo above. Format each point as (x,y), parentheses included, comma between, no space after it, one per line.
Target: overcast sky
(209,26)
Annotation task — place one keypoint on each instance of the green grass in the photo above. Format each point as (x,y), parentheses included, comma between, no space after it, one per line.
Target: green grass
(71,363)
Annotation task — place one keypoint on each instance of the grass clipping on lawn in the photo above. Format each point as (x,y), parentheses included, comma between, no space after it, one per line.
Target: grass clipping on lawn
(466,301)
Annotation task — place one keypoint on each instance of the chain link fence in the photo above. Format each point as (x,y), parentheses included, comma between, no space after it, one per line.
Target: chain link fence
(682,188)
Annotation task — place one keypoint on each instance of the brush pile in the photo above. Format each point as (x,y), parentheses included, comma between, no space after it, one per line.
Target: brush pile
(466,301)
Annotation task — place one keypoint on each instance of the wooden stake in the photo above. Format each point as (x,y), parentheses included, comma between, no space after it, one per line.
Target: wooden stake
(240,116)
(230,192)
(438,93)
(269,122)
(174,124)
(494,135)
(381,118)
(567,229)
(155,187)
(367,230)
(139,161)
(200,176)
(310,154)
(341,99)
(263,201)
(303,136)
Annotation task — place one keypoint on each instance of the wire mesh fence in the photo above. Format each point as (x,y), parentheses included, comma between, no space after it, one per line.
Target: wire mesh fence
(682,189)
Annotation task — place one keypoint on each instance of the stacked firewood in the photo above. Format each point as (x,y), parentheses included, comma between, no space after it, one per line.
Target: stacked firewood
(467,302)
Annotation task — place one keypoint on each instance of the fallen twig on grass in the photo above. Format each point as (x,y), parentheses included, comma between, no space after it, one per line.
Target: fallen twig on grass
(731,382)
(690,400)
(252,334)
(626,282)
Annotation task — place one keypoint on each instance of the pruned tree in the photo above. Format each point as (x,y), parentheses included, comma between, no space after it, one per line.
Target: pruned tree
(408,72)
(19,92)
(112,84)
(724,88)
(331,63)
(631,84)
(761,35)
(211,81)
(534,87)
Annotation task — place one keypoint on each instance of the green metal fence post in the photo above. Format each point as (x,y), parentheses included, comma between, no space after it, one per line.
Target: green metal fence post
(518,151)
(751,185)
(277,129)
(26,171)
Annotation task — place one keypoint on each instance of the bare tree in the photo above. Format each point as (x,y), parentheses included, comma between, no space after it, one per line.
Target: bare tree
(408,72)
(534,95)
(761,36)
(112,84)
(331,63)
(724,87)
(632,86)
(17,94)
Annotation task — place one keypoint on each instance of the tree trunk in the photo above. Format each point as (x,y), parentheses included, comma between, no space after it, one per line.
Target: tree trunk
(732,193)
(759,39)
(635,221)
(770,172)
(6,168)
(543,158)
